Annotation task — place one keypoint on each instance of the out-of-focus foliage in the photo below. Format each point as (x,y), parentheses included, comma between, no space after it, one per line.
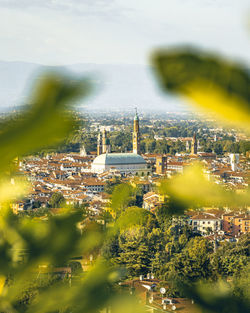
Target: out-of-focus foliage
(222,88)
(36,269)
(121,197)
(214,84)
(46,121)
(38,253)
(217,298)
(124,196)
(194,189)
(133,216)
(32,250)
(12,190)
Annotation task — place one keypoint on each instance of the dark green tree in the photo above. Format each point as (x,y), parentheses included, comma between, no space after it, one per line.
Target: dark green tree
(57,200)
(135,253)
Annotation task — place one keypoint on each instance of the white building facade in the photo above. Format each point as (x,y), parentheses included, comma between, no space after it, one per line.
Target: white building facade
(126,163)
(205,223)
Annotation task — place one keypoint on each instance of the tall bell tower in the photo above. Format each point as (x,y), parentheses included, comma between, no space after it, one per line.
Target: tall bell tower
(99,144)
(136,134)
(194,145)
(104,139)
(105,142)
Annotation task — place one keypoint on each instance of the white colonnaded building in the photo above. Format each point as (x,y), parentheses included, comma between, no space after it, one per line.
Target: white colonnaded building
(126,163)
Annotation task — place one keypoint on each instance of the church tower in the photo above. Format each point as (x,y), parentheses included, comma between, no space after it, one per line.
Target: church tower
(105,142)
(194,145)
(136,135)
(104,135)
(83,152)
(99,144)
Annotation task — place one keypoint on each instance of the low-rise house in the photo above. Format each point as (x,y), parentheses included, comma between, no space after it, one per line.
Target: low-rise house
(236,223)
(143,184)
(93,185)
(227,222)
(152,201)
(205,223)
(245,225)
(241,224)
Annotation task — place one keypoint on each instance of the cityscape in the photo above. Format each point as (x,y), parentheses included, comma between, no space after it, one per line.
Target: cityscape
(137,154)
(125,156)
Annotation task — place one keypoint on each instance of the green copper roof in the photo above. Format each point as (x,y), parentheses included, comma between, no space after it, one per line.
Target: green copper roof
(119,158)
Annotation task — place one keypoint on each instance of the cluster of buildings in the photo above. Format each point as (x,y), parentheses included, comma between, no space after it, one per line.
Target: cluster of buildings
(81,179)
(68,174)
(225,223)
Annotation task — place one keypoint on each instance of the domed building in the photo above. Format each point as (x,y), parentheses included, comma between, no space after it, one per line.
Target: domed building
(126,163)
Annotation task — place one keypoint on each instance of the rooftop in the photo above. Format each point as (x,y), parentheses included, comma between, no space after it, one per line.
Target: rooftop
(119,158)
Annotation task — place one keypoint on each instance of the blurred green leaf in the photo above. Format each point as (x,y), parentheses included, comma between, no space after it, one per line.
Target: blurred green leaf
(121,197)
(209,81)
(194,189)
(216,298)
(131,217)
(92,294)
(46,121)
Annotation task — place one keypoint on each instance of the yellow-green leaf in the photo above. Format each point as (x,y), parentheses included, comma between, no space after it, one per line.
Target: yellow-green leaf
(46,121)
(216,85)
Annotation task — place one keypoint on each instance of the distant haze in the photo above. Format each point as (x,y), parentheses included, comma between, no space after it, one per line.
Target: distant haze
(116,87)
(103,38)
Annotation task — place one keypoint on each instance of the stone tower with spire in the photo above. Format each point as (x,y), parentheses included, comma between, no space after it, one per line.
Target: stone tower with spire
(136,135)
(99,144)
(104,137)
(194,145)
(105,142)
(83,151)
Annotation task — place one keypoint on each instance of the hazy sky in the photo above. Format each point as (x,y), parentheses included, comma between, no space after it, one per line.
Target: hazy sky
(118,31)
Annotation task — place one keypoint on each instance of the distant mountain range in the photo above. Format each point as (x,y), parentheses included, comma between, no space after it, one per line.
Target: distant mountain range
(117,87)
